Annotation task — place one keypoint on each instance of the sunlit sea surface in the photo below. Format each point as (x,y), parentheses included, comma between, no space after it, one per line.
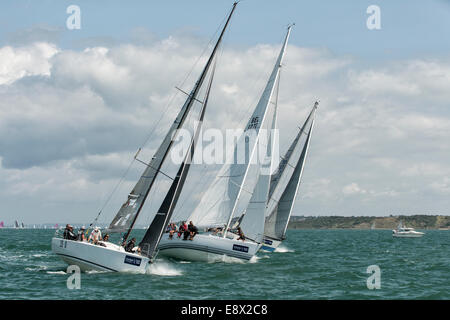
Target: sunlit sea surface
(310,264)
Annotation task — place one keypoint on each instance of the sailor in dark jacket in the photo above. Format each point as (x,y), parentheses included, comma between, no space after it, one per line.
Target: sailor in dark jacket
(130,245)
(68,233)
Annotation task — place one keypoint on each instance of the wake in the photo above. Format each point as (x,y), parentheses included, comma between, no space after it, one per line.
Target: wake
(282,249)
(162,268)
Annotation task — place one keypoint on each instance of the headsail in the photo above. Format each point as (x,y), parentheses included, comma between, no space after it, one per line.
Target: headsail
(252,222)
(128,213)
(278,219)
(280,178)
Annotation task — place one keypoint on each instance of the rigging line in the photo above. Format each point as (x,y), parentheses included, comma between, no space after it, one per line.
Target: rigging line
(162,115)
(111,194)
(241,187)
(202,181)
(184,81)
(148,165)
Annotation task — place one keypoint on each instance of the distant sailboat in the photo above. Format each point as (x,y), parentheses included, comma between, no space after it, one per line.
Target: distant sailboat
(16,225)
(113,257)
(22,226)
(2,225)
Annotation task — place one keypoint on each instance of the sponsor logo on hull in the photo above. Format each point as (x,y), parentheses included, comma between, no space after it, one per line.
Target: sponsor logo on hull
(240,248)
(133,260)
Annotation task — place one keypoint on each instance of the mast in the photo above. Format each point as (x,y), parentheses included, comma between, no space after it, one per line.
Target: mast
(130,210)
(269,88)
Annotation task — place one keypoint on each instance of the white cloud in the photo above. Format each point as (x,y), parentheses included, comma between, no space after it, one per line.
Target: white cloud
(31,60)
(70,120)
(353,188)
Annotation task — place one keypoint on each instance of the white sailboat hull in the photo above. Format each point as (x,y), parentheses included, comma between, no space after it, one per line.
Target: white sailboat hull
(206,248)
(414,234)
(94,257)
(270,245)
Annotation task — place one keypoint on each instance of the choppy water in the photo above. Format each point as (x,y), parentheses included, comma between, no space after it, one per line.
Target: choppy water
(311,264)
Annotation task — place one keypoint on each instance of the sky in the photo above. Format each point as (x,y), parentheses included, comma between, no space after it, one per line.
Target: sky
(76,104)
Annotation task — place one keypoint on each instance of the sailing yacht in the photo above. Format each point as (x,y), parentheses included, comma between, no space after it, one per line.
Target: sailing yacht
(404,232)
(219,204)
(113,257)
(284,186)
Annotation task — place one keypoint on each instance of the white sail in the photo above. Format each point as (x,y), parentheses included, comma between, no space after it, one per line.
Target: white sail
(252,223)
(240,173)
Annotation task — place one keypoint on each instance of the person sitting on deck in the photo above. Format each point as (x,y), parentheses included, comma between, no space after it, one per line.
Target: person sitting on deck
(172,230)
(193,230)
(182,228)
(81,236)
(105,239)
(217,231)
(68,233)
(241,234)
(95,236)
(130,246)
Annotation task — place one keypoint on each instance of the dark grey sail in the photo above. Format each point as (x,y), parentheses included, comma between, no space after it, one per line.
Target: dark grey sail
(128,213)
(286,186)
(155,231)
(275,179)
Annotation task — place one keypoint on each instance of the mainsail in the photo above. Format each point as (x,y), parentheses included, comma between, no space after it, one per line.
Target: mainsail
(281,207)
(154,232)
(219,203)
(128,213)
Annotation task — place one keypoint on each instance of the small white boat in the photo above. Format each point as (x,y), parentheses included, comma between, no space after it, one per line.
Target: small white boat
(404,232)
(207,248)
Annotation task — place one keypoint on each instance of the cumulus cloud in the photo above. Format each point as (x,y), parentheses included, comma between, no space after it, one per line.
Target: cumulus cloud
(71,120)
(353,188)
(31,60)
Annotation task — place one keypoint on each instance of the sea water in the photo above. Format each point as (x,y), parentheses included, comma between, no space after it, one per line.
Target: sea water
(309,264)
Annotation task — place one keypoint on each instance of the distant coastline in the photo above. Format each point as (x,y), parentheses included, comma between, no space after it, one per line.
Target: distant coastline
(438,222)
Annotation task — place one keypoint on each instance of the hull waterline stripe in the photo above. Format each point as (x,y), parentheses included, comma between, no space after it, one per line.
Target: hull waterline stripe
(99,265)
(201,248)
